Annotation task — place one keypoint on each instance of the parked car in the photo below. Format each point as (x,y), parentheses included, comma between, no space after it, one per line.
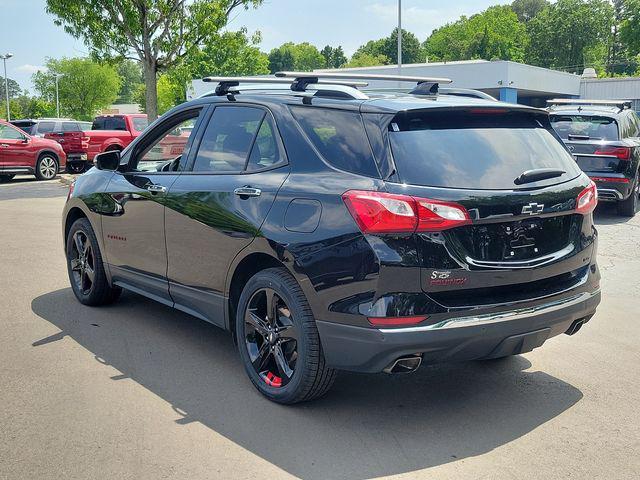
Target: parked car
(22,153)
(604,137)
(328,229)
(39,127)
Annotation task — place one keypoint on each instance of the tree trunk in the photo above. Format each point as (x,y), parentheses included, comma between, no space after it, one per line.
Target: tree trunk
(151,89)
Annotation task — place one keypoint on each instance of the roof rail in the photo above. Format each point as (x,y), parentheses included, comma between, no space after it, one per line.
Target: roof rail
(228,85)
(621,104)
(425,85)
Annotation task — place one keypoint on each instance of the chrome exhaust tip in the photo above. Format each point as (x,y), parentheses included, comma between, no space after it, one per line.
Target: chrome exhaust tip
(406,364)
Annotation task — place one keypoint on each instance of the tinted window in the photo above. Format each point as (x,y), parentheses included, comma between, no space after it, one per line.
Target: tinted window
(46,127)
(266,148)
(635,124)
(140,123)
(70,127)
(477,151)
(228,138)
(588,126)
(165,153)
(24,126)
(10,133)
(115,123)
(98,123)
(340,138)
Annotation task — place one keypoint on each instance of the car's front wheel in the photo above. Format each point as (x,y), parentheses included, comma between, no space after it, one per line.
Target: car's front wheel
(84,265)
(46,167)
(278,340)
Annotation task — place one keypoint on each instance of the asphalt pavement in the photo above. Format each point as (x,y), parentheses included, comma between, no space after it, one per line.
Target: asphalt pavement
(138,390)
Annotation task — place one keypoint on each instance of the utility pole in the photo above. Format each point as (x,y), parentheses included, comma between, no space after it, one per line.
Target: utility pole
(57,76)
(399,36)
(4,58)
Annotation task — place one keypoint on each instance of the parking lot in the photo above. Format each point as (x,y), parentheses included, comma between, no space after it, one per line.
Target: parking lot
(139,390)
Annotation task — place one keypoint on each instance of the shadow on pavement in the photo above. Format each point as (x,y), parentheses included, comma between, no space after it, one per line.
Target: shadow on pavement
(367,426)
(24,187)
(606,214)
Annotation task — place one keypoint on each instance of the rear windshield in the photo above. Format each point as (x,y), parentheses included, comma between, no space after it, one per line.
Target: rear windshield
(585,126)
(475,150)
(24,126)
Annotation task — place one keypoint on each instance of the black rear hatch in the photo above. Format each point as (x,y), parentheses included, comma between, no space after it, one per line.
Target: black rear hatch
(520,231)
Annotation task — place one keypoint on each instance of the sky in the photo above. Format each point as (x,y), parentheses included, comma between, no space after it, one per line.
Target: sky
(27,31)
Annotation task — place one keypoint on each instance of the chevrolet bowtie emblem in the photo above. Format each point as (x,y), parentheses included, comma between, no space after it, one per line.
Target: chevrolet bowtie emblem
(533,208)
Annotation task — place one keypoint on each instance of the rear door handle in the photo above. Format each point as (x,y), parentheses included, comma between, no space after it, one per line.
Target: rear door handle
(157,188)
(247,192)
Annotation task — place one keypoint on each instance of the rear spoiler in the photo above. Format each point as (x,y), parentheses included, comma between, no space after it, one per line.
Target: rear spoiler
(620,104)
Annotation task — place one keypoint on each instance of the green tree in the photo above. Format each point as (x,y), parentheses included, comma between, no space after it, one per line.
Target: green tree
(333,57)
(14,89)
(564,34)
(630,25)
(157,33)
(366,60)
(131,79)
(495,33)
(388,47)
(84,86)
(527,9)
(291,56)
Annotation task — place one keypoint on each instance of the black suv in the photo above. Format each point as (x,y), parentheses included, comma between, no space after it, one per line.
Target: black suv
(604,137)
(329,229)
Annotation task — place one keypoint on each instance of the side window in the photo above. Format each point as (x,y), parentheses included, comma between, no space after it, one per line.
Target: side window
(635,122)
(164,154)
(340,138)
(70,127)
(266,150)
(98,123)
(46,127)
(228,139)
(9,133)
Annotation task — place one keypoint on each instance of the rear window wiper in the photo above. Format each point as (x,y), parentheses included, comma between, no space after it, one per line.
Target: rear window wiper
(538,174)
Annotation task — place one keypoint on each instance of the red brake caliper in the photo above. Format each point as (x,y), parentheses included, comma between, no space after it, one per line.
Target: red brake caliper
(272,380)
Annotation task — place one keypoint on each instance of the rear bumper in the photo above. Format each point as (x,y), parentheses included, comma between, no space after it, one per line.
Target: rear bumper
(77,157)
(456,339)
(612,188)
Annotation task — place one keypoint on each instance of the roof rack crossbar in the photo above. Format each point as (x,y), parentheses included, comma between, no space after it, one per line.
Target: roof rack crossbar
(621,104)
(228,85)
(363,76)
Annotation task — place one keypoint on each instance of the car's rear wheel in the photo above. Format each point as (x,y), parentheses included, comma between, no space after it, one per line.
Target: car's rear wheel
(6,178)
(46,167)
(629,207)
(84,265)
(278,340)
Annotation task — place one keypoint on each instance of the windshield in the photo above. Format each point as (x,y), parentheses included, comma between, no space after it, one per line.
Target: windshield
(476,151)
(588,126)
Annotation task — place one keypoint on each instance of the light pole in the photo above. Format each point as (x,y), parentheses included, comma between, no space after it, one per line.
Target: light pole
(4,58)
(399,36)
(57,76)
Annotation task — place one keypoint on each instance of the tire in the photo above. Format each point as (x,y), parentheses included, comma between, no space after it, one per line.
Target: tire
(47,167)
(629,207)
(6,178)
(296,340)
(88,279)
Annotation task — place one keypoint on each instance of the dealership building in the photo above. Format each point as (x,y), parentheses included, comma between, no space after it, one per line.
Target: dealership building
(508,81)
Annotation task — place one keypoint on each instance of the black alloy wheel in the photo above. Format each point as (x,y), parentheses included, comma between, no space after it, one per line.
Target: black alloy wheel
(82,262)
(278,339)
(271,338)
(629,207)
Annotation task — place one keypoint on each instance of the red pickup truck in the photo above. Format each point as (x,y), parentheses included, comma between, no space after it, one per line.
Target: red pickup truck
(109,132)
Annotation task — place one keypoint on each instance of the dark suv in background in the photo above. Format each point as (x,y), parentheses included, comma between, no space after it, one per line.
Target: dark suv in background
(328,228)
(604,137)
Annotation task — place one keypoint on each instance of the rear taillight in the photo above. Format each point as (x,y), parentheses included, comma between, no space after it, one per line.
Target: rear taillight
(84,141)
(623,153)
(380,212)
(587,200)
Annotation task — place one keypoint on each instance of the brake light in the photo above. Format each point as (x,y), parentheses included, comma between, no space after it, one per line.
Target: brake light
(380,212)
(587,200)
(623,153)
(84,141)
(610,179)
(393,321)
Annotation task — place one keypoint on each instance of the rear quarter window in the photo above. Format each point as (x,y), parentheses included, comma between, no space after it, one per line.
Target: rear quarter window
(340,138)
(484,151)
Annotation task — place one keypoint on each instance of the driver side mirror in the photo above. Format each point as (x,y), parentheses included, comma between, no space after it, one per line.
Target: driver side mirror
(107,160)
(26,140)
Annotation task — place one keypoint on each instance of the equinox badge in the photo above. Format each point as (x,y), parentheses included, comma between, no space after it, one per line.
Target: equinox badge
(533,208)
